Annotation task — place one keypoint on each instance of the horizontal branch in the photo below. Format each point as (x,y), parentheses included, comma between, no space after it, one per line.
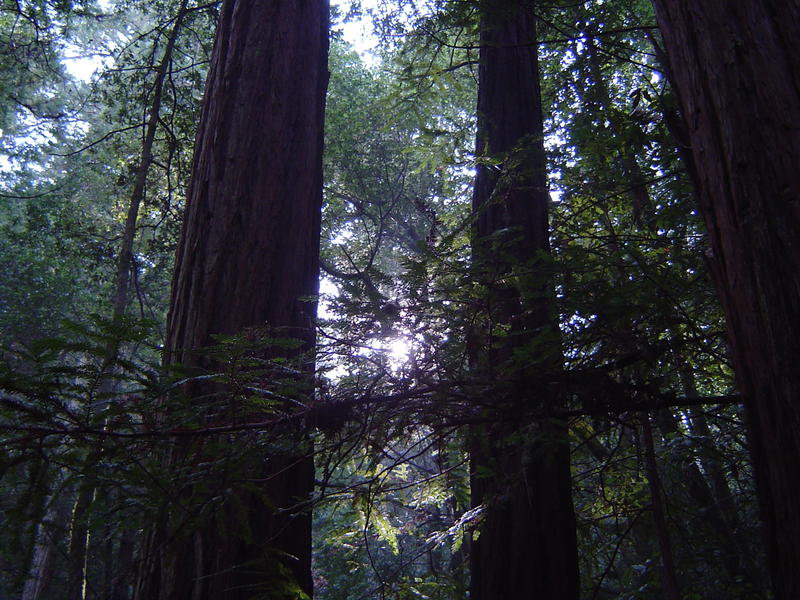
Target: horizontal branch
(99,140)
(461,412)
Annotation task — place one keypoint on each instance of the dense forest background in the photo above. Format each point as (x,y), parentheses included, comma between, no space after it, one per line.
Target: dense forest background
(454,369)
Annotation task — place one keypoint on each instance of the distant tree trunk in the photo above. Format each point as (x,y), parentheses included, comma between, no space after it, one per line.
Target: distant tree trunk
(736,69)
(712,492)
(248,258)
(79,531)
(669,577)
(79,541)
(125,257)
(123,568)
(714,518)
(48,537)
(520,468)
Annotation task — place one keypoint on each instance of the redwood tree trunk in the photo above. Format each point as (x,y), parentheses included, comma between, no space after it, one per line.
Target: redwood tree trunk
(520,468)
(248,258)
(736,70)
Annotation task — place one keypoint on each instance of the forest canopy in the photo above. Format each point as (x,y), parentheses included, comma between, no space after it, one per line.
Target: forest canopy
(504,305)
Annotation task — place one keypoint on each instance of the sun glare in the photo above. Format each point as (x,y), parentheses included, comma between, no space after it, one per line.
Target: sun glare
(399,349)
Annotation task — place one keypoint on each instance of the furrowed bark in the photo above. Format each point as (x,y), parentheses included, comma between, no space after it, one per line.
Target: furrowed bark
(248,259)
(520,470)
(734,66)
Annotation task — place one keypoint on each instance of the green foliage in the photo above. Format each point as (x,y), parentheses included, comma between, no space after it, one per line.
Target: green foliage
(639,323)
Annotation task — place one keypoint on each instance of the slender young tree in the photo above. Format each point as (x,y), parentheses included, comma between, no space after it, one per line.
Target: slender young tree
(249,258)
(736,69)
(78,551)
(520,468)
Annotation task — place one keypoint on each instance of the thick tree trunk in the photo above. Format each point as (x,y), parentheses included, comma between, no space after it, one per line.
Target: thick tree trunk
(520,469)
(248,259)
(736,69)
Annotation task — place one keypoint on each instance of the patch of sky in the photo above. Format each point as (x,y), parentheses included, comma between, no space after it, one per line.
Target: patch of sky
(357,28)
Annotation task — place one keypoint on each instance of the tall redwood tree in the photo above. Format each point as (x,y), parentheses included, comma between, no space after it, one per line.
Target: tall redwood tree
(248,258)
(736,70)
(520,467)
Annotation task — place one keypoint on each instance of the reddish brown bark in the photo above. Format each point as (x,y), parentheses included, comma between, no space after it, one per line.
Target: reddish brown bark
(521,473)
(736,70)
(248,258)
